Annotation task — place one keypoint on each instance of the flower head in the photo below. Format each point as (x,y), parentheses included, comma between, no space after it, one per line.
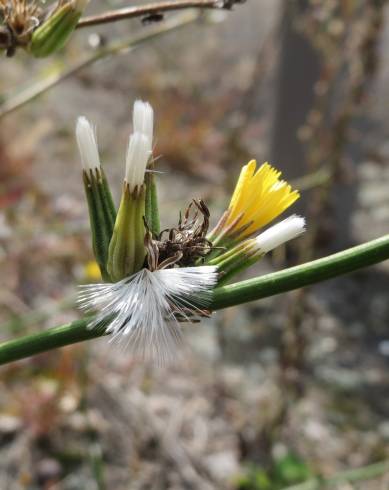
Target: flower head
(146,307)
(258,198)
(156,279)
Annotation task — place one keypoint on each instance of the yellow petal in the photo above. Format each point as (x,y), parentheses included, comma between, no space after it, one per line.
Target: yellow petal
(242,186)
(259,196)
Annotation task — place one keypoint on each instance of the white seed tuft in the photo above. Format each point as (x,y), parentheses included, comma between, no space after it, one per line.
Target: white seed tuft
(280,233)
(87,144)
(145,308)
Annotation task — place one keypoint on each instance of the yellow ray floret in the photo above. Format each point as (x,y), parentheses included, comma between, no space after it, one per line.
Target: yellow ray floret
(259,197)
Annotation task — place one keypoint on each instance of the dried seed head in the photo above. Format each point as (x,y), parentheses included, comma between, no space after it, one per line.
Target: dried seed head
(20,19)
(183,245)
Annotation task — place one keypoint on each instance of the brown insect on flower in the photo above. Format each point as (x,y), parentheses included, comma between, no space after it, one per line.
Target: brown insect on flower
(19,19)
(182,245)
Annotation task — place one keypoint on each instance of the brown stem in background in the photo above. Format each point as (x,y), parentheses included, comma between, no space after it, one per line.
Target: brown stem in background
(154,11)
(22,97)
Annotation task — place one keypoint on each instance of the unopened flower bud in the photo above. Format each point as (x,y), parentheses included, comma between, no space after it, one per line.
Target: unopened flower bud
(127,251)
(102,213)
(54,32)
(251,250)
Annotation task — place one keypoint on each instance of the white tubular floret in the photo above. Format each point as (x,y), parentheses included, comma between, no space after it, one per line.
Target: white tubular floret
(143,119)
(280,233)
(145,308)
(138,154)
(87,144)
(140,145)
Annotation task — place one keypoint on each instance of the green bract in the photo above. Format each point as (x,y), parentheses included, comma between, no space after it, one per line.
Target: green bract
(53,34)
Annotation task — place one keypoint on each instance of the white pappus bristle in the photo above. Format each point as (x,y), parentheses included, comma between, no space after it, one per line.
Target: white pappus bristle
(280,233)
(87,144)
(145,308)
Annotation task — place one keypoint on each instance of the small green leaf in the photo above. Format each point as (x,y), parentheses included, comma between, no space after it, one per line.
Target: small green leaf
(291,469)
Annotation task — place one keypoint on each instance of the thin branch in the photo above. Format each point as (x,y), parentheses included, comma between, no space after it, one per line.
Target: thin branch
(153,9)
(313,272)
(36,89)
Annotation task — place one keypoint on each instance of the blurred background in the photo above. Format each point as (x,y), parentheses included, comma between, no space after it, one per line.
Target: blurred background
(266,395)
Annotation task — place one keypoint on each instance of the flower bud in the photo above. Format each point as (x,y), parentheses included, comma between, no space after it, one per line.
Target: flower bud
(102,213)
(54,32)
(127,250)
(251,250)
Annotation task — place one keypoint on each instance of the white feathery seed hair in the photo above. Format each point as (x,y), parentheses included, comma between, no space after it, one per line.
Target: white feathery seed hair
(280,233)
(145,308)
(87,144)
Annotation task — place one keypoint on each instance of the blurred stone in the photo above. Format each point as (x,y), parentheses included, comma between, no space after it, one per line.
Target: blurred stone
(383,347)
(48,470)
(9,424)
(224,465)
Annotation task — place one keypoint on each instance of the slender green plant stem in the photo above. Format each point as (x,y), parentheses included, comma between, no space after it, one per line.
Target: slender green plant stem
(36,89)
(242,292)
(67,334)
(348,476)
(313,272)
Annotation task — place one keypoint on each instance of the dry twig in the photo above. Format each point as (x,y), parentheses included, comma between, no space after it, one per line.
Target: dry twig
(154,11)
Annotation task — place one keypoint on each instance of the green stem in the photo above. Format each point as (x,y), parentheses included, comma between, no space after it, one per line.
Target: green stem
(297,277)
(242,292)
(67,334)
(348,476)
